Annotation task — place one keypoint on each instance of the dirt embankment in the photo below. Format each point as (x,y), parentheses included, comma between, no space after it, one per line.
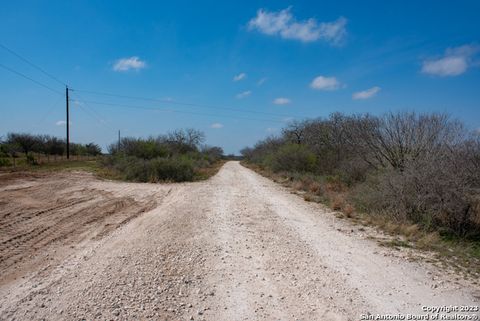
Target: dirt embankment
(234,247)
(45,217)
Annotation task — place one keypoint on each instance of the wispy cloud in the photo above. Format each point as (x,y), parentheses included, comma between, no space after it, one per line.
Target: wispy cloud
(454,62)
(240,76)
(325,83)
(77,103)
(281,101)
(270,130)
(62,123)
(365,94)
(216,125)
(261,81)
(284,24)
(131,63)
(243,94)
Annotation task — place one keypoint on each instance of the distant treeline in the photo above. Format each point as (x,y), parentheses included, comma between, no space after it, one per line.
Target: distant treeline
(17,144)
(420,168)
(177,156)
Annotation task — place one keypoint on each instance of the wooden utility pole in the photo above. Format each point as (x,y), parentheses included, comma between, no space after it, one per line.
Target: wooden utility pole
(118,147)
(68,124)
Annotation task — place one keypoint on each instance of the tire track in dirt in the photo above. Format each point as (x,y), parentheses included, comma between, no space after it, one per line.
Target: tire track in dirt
(34,233)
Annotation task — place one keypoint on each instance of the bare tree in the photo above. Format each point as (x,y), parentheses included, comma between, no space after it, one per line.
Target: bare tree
(294,132)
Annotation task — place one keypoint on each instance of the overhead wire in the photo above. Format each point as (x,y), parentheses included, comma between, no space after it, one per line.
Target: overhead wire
(97,116)
(173,102)
(180,111)
(90,111)
(31,79)
(32,64)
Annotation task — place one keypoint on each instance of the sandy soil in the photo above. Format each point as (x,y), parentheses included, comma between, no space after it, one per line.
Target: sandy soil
(235,247)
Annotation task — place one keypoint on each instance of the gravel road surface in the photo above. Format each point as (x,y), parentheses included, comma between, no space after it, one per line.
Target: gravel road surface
(235,247)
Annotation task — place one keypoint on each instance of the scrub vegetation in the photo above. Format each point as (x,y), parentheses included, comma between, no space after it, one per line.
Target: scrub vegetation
(177,156)
(412,174)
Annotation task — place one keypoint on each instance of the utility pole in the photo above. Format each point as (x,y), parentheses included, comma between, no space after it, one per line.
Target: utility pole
(68,124)
(118,148)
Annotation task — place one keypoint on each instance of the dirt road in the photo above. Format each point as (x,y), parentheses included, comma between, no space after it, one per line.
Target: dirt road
(235,247)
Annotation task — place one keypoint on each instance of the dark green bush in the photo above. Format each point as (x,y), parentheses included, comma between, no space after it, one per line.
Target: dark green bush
(31,159)
(178,169)
(293,157)
(5,162)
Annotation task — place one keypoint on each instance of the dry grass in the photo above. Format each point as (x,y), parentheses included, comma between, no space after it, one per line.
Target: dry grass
(298,185)
(428,241)
(348,210)
(315,188)
(337,203)
(308,198)
(207,172)
(335,186)
(462,255)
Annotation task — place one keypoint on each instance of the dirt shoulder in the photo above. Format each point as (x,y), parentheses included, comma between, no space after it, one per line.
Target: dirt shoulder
(44,217)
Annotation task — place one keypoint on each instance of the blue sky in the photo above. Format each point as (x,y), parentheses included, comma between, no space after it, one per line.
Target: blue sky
(243,68)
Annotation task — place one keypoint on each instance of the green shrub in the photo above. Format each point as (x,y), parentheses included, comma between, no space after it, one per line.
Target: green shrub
(5,162)
(177,169)
(131,168)
(31,159)
(293,157)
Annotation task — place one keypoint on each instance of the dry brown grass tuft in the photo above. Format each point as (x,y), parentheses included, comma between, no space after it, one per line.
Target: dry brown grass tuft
(428,241)
(315,188)
(298,185)
(308,198)
(410,231)
(348,210)
(337,203)
(335,186)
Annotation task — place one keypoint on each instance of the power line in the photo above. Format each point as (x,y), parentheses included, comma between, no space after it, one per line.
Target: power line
(31,79)
(181,111)
(44,117)
(96,115)
(90,111)
(32,64)
(182,103)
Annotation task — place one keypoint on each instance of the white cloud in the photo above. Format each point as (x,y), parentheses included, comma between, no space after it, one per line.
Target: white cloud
(216,125)
(125,64)
(262,81)
(365,94)
(240,76)
(281,101)
(243,94)
(270,130)
(325,83)
(448,66)
(455,61)
(287,119)
(62,123)
(284,24)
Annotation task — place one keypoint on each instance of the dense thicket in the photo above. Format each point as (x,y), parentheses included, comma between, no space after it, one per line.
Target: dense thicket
(16,144)
(422,168)
(177,156)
